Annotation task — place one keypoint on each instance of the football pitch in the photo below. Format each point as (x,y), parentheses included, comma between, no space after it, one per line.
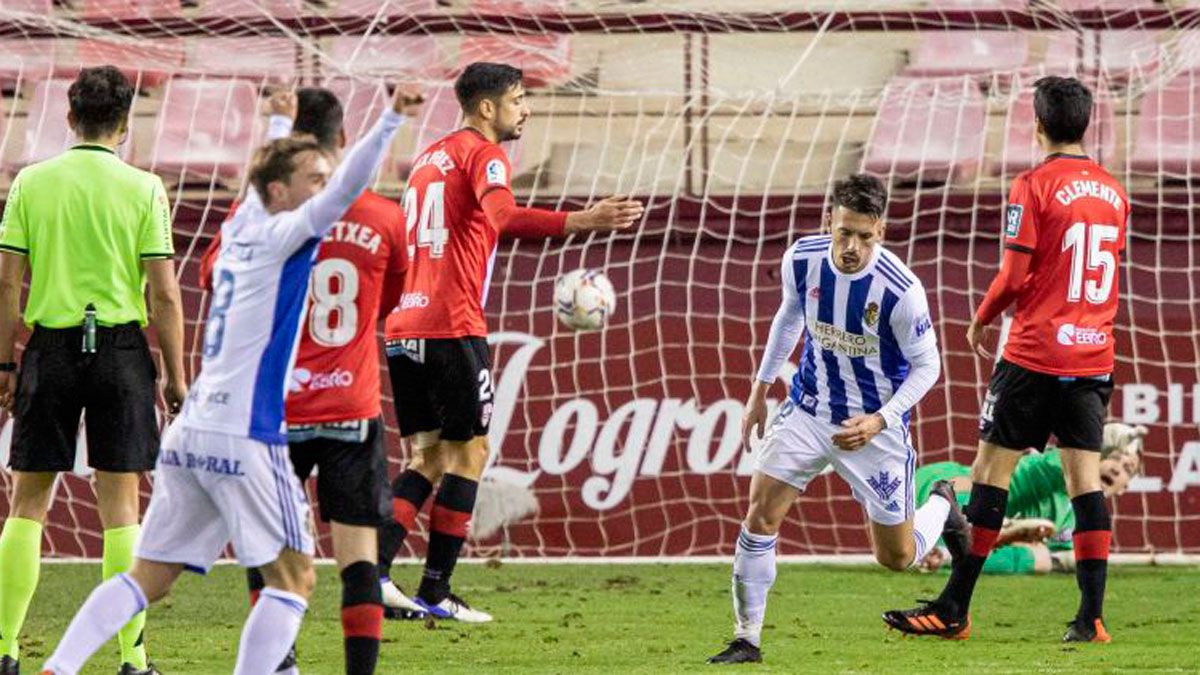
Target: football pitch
(669,618)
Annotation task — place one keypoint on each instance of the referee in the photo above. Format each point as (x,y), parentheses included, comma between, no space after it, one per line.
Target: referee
(92,230)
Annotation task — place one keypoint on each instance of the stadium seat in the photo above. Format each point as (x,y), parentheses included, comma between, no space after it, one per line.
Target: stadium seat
(517,7)
(46,130)
(978,4)
(927,131)
(29,60)
(390,7)
(129,9)
(42,7)
(1166,139)
(968,53)
(147,63)
(1062,54)
(362,102)
(282,9)
(1076,5)
(260,59)
(546,59)
(406,56)
(205,127)
(1124,55)
(1021,152)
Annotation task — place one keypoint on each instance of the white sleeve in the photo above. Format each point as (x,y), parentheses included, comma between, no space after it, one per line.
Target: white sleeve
(787,326)
(314,218)
(913,329)
(278,126)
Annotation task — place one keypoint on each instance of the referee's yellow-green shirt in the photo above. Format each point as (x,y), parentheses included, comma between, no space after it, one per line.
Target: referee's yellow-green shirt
(86,220)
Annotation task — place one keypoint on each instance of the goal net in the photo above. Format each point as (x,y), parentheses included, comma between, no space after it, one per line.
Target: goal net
(732,127)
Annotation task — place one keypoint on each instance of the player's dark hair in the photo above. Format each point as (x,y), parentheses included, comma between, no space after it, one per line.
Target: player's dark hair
(276,161)
(861,193)
(319,114)
(482,80)
(100,100)
(1064,107)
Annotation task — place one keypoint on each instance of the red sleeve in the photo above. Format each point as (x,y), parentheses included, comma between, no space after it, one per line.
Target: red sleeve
(1013,270)
(489,171)
(208,261)
(397,266)
(518,221)
(1020,226)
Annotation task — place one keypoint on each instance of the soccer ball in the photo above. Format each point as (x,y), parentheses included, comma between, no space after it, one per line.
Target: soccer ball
(584,299)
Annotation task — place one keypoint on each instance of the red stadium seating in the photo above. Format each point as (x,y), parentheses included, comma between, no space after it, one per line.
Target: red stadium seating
(517,6)
(928,131)
(33,6)
(1020,150)
(28,60)
(968,53)
(146,63)
(362,103)
(1124,55)
(46,131)
(206,128)
(1062,55)
(130,9)
(413,56)
(546,59)
(978,4)
(258,59)
(282,9)
(390,7)
(1167,137)
(1075,5)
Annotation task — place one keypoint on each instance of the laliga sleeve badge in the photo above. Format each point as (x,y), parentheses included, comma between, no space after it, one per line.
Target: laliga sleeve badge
(1012,219)
(496,173)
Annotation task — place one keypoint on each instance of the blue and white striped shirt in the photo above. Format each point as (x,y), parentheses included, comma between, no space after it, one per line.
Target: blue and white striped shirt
(862,332)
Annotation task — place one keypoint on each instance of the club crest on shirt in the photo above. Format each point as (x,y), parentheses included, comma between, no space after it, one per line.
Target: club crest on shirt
(496,175)
(1013,219)
(871,314)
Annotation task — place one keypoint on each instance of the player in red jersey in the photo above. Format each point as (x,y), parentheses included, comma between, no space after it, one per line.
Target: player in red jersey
(458,202)
(333,408)
(1063,235)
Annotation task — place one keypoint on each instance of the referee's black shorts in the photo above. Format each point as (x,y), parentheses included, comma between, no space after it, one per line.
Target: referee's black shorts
(1024,408)
(115,385)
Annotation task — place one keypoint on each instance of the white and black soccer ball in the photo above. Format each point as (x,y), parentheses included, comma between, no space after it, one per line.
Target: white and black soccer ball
(584,299)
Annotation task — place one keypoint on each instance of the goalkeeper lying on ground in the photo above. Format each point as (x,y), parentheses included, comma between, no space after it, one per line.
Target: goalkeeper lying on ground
(1036,537)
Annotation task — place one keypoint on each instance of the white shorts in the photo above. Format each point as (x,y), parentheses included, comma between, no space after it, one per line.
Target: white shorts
(211,488)
(799,446)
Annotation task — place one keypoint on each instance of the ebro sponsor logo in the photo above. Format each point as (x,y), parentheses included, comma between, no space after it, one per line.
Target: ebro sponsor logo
(1070,335)
(303,378)
(414,301)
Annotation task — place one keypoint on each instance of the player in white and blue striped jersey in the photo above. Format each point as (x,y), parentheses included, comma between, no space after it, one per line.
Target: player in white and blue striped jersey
(224,473)
(869,356)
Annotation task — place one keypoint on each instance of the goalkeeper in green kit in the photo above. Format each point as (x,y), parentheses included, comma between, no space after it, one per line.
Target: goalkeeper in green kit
(1039,520)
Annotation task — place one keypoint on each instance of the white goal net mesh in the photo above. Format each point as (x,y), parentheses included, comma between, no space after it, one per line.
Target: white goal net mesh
(732,126)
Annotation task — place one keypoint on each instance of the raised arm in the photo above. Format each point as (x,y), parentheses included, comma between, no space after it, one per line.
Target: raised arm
(355,172)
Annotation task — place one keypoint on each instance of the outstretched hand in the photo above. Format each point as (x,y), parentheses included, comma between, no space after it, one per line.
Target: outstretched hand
(607,215)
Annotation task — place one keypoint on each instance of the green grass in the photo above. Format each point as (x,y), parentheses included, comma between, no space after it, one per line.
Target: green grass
(668,618)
